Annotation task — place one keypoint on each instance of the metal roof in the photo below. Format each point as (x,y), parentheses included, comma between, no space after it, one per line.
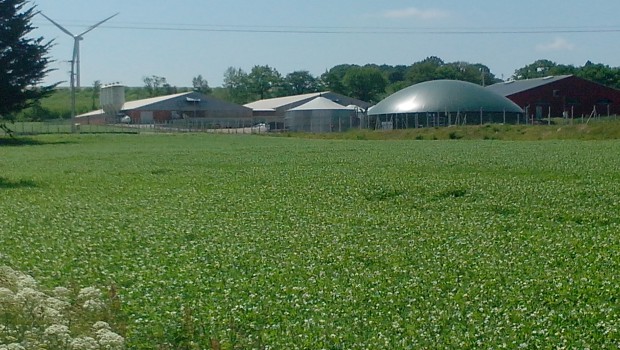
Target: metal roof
(439,96)
(190,99)
(512,87)
(272,104)
(282,104)
(321,103)
(149,101)
(91,114)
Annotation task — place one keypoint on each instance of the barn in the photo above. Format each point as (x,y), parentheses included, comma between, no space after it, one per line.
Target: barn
(273,110)
(187,106)
(560,96)
(443,103)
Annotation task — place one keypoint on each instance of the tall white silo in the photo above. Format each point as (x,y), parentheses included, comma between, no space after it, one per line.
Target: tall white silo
(112,99)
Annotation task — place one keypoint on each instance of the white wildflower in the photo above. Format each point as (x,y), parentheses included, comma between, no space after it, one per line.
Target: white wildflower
(6,296)
(89,293)
(101,325)
(53,316)
(29,297)
(14,346)
(93,305)
(109,340)
(84,343)
(26,281)
(62,293)
(8,276)
(15,279)
(57,304)
(32,340)
(57,329)
(58,333)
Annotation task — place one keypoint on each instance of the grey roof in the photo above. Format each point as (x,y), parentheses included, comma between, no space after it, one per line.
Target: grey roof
(149,101)
(320,103)
(272,104)
(439,96)
(181,101)
(512,87)
(282,104)
(94,113)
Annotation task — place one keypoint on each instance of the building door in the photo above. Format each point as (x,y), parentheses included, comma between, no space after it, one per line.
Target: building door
(539,112)
(146,117)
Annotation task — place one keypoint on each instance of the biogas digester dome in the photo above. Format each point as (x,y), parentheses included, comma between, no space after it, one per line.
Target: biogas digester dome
(445,102)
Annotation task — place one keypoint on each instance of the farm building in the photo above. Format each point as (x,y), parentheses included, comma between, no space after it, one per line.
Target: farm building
(442,103)
(560,96)
(273,110)
(187,106)
(321,115)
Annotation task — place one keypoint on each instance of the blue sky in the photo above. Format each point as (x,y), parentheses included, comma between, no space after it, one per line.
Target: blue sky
(184,38)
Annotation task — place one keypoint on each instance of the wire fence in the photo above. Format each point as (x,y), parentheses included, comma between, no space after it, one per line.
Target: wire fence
(66,127)
(69,127)
(383,122)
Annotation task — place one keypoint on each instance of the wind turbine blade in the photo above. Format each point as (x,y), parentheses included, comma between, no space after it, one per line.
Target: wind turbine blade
(57,25)
(96,25)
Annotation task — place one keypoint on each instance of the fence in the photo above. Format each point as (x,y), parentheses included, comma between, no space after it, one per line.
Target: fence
(421,120)
(382,122)
(66,127)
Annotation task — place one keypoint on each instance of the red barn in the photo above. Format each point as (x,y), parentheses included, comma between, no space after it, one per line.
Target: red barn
(560,96)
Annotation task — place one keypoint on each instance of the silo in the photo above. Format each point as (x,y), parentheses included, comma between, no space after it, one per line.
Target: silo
(112,99)
(320,115)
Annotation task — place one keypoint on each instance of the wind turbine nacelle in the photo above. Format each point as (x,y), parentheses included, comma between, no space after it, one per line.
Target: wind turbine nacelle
(112,99)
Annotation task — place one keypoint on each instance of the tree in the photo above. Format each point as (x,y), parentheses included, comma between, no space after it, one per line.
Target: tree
(538,69)
(95,95)
(300,82)
(395,74)
(236,85)
(596,72)
(201,85)
(365,83)
(23,61)
(424,70)
(263,81)
(333,78)
(600,73)
(155,85)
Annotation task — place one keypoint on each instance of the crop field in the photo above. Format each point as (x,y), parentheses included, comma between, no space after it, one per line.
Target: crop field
(252,242)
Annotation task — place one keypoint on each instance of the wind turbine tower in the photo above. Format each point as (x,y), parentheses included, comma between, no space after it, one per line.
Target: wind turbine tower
(75,60)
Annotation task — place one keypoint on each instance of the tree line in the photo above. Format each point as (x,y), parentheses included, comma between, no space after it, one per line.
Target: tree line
(369,82)
(374,82)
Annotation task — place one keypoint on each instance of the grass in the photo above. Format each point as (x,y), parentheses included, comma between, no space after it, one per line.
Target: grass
(234,242)
(596,129)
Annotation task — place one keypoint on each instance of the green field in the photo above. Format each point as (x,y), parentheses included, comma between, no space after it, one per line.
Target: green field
(241,242)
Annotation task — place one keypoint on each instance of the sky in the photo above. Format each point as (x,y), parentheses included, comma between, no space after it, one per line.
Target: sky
(181,39)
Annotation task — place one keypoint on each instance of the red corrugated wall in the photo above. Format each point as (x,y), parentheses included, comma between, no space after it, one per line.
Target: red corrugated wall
(572,95)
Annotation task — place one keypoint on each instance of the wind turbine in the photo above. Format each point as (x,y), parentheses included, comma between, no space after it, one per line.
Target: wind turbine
(75,60)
